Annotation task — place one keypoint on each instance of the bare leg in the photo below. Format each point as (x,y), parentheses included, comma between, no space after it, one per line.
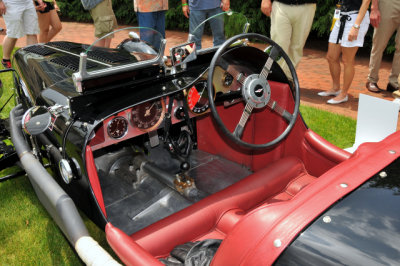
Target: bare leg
(44,25)
(348,55)
(8,46)
(31,39)
(55,24)
(104,42)
(107,42)
(333,57)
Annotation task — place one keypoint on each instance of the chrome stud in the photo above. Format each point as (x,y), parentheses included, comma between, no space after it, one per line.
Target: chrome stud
(277,243)
(327,219)
(383,174)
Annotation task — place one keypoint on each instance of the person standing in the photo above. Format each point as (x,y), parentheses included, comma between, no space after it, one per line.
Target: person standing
(49,22)
(347,35)
(151,14)
(385,18)
(199,10)
(21,19)
(291,22)
(104,19)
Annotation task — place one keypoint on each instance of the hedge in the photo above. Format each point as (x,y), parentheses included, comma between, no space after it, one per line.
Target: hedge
(123,9)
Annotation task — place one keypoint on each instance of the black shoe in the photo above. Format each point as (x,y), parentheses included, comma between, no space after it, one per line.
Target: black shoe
(391,88)
(372,87)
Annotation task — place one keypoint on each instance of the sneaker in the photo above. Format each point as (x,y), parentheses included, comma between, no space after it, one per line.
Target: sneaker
(6,63)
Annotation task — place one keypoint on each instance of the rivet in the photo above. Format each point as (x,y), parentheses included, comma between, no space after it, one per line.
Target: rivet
(327,219)
(383,174)
(344,185)
(392,152)
(277,243)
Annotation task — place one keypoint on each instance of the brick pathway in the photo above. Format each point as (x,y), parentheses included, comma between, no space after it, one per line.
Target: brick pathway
(312,71)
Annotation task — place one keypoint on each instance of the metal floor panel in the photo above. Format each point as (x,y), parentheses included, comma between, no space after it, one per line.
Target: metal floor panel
(132,209)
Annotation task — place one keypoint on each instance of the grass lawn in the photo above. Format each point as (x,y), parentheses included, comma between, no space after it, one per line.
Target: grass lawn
(29,236)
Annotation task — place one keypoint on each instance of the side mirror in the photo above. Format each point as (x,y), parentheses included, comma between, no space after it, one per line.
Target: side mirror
(36,120)
(184,53)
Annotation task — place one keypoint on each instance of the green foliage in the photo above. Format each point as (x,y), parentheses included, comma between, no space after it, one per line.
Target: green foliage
(323,17)
(175,20)
(73,10)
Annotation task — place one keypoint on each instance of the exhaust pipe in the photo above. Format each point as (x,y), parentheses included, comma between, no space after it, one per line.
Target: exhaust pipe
(57,203)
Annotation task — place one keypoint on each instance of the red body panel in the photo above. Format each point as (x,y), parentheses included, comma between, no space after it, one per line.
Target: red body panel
(94,179)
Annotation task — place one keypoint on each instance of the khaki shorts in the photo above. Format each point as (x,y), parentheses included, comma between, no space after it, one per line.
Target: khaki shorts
(104,19)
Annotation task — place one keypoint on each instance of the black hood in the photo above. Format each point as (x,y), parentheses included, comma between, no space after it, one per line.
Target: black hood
(361,229)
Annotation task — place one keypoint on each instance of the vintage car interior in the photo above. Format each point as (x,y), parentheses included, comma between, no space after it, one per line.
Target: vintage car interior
(163,150)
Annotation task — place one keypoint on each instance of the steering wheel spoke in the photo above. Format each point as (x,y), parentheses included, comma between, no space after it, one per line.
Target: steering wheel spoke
(238,132)
(273,56)
(274,106)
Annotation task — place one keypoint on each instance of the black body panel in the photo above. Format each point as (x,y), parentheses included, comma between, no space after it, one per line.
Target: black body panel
(361,229)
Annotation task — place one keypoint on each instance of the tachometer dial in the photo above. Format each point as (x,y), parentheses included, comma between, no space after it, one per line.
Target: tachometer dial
(148,116)
(197,98)
(117,127)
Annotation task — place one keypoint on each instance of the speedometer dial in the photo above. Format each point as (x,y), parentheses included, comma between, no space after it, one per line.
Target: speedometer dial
(148,116)
(197,98)
(117,127)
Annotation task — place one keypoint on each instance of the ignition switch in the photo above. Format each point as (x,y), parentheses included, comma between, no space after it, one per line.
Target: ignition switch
(179,113)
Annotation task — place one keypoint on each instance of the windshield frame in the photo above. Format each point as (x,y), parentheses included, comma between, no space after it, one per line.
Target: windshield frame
(83,74)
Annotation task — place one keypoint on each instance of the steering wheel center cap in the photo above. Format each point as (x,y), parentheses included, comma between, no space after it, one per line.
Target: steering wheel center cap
(256,91)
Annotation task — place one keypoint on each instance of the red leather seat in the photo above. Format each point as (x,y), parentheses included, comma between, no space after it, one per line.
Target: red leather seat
(216,215)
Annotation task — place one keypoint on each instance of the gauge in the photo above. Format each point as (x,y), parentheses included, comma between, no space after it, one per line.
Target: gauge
(117,127)
(148,116)
(197,98)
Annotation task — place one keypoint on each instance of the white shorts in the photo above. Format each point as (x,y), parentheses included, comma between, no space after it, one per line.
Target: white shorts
(359,42)
(20,19)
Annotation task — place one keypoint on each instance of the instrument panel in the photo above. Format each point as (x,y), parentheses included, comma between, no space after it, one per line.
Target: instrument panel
(135,121)
(149,116)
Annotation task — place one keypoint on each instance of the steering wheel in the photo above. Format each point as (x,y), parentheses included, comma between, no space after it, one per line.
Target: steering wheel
(255,92)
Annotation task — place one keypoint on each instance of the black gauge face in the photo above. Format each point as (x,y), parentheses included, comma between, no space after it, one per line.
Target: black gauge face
(148,116)
(197,98)
(117,127)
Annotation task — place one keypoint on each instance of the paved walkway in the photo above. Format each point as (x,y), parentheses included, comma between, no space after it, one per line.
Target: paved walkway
(312,71)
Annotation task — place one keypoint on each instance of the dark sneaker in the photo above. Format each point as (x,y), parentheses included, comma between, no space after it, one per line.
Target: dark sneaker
(391,88)
(372,87)
(6,63)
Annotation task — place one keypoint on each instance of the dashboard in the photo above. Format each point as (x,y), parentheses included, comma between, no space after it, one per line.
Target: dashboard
(149,116)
